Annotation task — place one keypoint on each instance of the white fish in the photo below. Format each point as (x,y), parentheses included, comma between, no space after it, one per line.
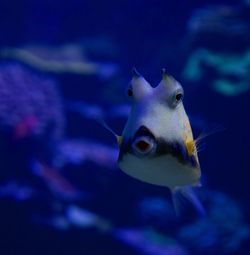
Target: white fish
(157,144)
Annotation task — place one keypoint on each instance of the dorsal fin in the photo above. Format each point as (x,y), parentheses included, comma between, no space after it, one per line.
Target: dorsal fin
(135,73)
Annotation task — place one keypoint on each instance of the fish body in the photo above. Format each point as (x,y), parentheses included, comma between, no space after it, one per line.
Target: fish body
(157,144)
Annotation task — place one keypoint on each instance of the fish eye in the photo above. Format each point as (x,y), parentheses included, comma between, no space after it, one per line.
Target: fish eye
(130,92)
(177,97)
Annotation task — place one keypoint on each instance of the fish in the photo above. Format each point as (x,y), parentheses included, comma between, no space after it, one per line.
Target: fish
(157,144)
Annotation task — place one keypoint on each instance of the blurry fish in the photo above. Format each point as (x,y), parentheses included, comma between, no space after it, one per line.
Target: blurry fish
(157,144)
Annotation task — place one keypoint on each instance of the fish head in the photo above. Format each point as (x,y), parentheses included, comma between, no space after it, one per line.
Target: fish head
(158,135)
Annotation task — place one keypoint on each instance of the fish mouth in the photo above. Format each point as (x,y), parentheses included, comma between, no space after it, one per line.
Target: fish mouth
(145,144)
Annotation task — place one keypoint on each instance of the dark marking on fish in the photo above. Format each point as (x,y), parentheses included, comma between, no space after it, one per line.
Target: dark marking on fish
(177,150)
(163,147)
(143,131)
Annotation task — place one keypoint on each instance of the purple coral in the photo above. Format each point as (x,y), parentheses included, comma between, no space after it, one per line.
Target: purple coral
(29,102)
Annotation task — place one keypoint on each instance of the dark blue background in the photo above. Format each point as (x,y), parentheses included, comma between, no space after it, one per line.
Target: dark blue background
(149,35)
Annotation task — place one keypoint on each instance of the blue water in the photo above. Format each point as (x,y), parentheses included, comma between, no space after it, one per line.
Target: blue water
(64,66)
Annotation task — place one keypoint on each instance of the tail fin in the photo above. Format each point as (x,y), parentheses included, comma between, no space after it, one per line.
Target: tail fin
(186,203)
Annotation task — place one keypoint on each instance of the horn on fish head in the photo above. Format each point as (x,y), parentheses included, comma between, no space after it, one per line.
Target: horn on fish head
(169,90)
(138,86)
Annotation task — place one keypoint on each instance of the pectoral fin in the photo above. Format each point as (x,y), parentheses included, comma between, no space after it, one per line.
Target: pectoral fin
(190,145)
(118,137)
(119,140)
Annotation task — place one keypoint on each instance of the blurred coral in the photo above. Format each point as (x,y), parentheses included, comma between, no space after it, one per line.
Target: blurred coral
(29,103)
(231,69)
(222,231)
(223,65)
(68,58)
(210,25)
(79,151)
(149,242)
(98,112)
(157,212)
